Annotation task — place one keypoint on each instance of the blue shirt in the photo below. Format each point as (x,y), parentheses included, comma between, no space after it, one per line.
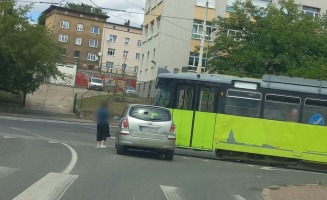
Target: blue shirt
(102,116)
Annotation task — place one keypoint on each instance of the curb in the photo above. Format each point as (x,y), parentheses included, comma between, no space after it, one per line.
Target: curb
(266,194)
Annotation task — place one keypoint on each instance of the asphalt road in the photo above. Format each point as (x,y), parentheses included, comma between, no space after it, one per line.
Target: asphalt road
(44,159)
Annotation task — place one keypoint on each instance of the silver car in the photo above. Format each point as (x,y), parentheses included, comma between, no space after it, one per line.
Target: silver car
(146,127)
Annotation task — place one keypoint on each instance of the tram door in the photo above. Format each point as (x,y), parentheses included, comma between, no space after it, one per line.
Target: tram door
(183,115)
(194,117)
(204,119)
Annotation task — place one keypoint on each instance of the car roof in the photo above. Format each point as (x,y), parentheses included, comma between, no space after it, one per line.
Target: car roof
(146,105)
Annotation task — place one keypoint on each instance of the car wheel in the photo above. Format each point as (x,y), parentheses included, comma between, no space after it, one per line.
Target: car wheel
(120,150)
(169,155)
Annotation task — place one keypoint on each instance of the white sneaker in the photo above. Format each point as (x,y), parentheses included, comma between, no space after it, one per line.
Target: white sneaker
(98,146)
(103,146)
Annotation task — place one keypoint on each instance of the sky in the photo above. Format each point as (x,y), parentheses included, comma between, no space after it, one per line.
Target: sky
(136,19)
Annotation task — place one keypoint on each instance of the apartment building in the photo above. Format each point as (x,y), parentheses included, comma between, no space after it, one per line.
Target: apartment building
(172,32)
(80,33)
(121,48)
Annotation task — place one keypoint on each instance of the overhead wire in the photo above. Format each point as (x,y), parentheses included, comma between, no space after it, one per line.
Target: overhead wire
(134,5)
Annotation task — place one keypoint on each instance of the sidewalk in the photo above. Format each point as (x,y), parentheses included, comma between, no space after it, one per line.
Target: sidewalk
(69,117)
(304,192)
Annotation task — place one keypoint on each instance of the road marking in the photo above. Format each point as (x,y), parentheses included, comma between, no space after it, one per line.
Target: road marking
(171,193)
(250,165)
(50,187)
(8,137)
(113,138)
(273,169)
(17,129)
(73,160)
(206,160)
(238,197)
(6,171)
(186,158)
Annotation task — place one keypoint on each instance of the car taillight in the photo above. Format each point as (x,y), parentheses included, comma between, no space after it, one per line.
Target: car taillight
(172,128)
(125,123)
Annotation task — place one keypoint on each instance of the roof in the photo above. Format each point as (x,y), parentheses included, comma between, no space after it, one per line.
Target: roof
(111,23)
(268,81)
(53,7)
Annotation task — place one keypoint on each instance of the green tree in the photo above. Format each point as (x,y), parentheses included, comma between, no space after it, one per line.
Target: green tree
(41,19)
(279,39)
(28,53)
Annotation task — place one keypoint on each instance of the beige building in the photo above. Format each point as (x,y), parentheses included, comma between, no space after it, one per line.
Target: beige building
(172,32)
(80,33)
(121,48)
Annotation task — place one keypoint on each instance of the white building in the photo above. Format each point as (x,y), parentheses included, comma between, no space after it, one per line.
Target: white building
(172,31)
(121,48)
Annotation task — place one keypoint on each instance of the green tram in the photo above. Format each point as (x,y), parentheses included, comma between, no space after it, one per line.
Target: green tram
(273,119)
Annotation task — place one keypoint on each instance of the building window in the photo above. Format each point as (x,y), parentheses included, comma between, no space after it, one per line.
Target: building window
(158,23)
(125,54)
(111,52)
(113,38)
(91,57)
(146,28)
(78,41)
(77,54)
(154,54)
(127,41)
(79,27)
(63,38)
(151,28)
(139,43)
(136,69)
(310,11)
(137,57)
(142,61)
(93,43)
(123,67)
(109,64)
(95,30)
(64,24)
(198,28)
(194,60)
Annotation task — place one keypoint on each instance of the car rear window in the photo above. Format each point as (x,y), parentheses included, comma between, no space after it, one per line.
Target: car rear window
(150,113)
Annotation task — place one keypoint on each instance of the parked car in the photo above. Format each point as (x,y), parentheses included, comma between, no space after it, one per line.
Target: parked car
(129,90)
(95,84)
(146,127)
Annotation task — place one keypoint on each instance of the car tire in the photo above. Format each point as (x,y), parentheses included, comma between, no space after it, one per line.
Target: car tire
(120,150)
(169,155)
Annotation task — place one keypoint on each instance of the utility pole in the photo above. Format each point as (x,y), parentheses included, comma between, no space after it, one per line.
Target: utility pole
(203,38)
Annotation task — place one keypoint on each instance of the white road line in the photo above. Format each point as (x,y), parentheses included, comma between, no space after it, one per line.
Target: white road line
(206,160)
(6,171)
(17,129)
(273,169)
(73,160)
(171,193)
(8,137)
(50,187)
(238,197)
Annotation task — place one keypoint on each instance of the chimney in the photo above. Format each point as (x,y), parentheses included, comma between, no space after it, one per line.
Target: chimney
(127,23)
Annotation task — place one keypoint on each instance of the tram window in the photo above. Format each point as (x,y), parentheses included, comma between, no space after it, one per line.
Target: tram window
(207,98)
(282,108)
(243,103)
(163,98)
(185,97)
(315,112)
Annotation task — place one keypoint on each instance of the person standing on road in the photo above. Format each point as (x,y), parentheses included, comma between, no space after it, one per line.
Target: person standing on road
(102,116)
